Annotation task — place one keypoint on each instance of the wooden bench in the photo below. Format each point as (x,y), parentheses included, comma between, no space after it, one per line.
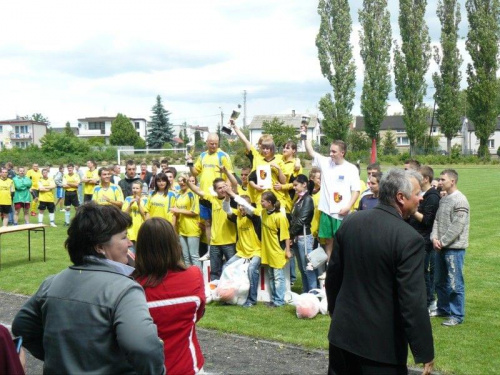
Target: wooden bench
(22,228)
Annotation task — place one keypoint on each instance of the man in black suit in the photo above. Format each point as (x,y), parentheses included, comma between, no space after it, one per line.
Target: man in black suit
(375,286)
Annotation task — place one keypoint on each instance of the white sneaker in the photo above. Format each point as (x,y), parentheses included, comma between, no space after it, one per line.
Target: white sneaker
(205,257)
(52,224)
(322,276)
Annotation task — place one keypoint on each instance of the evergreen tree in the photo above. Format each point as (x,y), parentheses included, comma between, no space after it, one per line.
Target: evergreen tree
(447,82)
(389,144)
(483,88)
(160,129)
(67,130)
(411,62)
(123,132)
(375,41)
(337,65)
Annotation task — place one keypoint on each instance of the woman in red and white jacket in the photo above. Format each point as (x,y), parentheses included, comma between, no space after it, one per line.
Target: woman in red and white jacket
(175,294)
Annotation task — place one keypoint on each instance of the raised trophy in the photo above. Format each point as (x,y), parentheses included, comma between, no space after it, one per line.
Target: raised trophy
(234,116)
(189,157)
(304,123)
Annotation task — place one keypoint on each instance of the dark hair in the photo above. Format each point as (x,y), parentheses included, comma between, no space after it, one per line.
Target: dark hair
(302,179)
(102,169)
(130,162)
(313,171)
(413,164)
(173,171)
(93,162)
(269,196)
(70,165)
(164,161)
(377,176)
(144,163)
(373,166)
(93,225)
(156,163)
(161,177)
(158,251)
(292,145)
(216,181)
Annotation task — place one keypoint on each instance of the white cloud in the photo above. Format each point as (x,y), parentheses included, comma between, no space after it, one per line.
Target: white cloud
(74,59)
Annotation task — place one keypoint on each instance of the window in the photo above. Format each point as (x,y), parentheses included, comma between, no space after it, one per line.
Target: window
(137,126)
(1,128)
(22,129)
(97,126)
(403,141)
(491,143)
(401,131)
(434,129)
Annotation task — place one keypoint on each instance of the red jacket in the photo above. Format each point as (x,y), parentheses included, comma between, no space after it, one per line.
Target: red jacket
(176,304)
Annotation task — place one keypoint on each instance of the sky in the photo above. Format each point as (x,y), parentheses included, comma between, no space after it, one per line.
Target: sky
(69,60)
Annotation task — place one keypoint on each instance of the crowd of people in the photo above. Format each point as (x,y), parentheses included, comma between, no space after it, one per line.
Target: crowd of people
(165,224)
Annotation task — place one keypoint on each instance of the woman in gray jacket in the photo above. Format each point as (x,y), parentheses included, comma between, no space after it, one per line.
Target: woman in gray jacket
(92,317)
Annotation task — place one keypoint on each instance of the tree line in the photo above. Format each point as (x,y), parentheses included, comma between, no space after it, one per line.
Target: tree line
(411,62)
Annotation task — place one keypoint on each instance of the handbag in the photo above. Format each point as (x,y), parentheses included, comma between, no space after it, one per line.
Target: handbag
(317,257)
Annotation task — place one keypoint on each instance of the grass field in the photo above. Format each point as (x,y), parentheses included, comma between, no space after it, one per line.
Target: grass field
(471,348)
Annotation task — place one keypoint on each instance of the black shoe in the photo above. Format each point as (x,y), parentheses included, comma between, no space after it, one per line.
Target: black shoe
(66,224)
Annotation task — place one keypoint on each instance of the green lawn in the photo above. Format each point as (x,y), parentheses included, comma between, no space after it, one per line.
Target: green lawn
(471,348)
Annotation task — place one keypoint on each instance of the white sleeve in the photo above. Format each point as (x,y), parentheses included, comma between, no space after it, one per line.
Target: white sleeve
(248,207)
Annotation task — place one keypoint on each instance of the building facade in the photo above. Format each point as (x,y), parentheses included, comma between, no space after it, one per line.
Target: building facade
(91,127)
(21,133)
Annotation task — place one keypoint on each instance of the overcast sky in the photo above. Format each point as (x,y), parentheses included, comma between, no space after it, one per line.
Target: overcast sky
(69,60)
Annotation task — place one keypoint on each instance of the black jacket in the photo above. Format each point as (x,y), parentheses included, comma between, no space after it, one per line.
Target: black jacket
(428,207)
(126,185)
(376,290)
(302,214)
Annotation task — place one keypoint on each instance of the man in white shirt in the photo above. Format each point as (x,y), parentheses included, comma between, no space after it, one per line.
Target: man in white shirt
(340,187)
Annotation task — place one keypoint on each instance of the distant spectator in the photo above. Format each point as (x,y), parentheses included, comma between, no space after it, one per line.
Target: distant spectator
(412,164)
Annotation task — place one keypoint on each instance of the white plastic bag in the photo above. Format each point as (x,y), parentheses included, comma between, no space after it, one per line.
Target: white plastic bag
(307,306)
(234,284)
(210,288)
(323,303)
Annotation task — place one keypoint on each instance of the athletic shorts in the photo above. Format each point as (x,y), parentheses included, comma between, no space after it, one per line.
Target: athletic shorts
(328,226)
(35,193)
(5,209)
(71,199)
(19,205)
(205,212)
(59,192)
(47,205)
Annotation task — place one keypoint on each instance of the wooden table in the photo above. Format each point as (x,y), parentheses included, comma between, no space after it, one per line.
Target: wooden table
(22,228)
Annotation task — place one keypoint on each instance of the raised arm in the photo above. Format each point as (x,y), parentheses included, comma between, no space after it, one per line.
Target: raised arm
(241,135)
(195,189)
(307,142)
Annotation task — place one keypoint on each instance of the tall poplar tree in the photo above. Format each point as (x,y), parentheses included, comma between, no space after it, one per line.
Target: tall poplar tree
(160,129)
(337,65)
(483,88)
(375,41)
(411,63)
(447,81)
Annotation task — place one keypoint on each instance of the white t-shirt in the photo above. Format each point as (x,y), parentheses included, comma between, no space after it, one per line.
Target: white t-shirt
(338,181)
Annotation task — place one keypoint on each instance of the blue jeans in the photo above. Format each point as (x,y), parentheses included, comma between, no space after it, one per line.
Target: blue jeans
(277,285)
(429,266)
(253,277)
(309,278)
(449,280)
(216,253)
(190,247)
(291,264)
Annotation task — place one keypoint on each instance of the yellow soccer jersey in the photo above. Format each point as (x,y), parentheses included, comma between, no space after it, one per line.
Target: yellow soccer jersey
(71,179)
(280,194)
(46,196)
(6,187)
(315,219)
(355,206)
(113,192)
(135,214)
(159,205)
(207,165)
(289,172)
(274,230)
(88,188)
(223,230)
(248,244)
(35,177)
(188,225)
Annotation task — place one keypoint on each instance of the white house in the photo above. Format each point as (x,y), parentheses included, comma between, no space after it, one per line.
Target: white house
(21,133)
(293,119)
(90,127)
(466,137)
